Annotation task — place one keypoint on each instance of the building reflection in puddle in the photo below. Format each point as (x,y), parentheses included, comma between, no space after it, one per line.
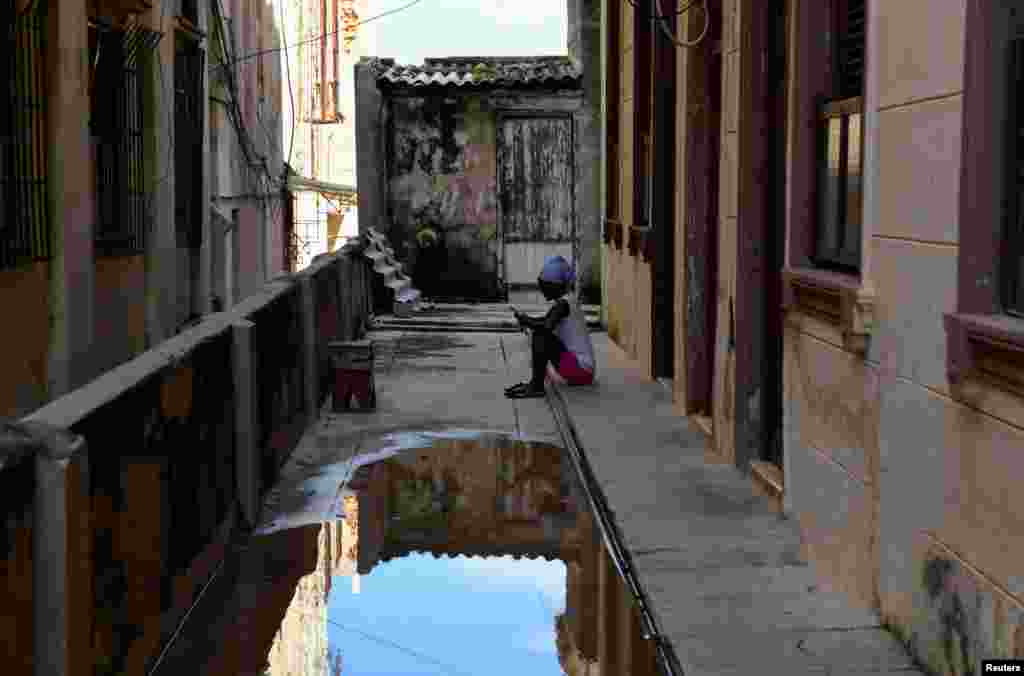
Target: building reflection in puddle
(455,559)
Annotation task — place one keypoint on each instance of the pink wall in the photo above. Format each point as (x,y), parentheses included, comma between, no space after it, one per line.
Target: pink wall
(250,275)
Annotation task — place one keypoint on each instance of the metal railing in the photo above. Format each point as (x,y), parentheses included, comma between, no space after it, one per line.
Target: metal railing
(118,499)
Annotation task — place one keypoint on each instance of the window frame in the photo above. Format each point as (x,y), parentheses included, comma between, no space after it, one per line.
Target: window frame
(812,287)
(25,224)
(643,79)
(116,93)
(984,343)
(189,67)
(844,100)
(845,219)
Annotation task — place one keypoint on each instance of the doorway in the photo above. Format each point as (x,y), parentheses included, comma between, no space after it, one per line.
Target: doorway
(775,205)
(663,202)
(702,148)
(535,193)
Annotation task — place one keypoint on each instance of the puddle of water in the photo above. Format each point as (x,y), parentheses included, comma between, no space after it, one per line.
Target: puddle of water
(434,554)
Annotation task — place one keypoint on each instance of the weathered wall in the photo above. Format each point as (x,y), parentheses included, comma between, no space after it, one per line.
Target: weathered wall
(24,293)
(371,168)
(120,310)
(724,370)
(442,174)
(250,251)
(940,561)
(831,431)
(956,543)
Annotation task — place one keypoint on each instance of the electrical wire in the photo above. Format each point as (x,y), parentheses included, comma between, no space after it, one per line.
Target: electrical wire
(326,35)
(663,25)
(681,10)
(291,90)
(447,668)
(248,147)
(258,176)
(660,18)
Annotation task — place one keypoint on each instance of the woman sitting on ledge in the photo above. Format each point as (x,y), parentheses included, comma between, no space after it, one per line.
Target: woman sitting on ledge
(560,337)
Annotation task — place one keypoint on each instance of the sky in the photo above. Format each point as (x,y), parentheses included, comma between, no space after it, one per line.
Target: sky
(421,615)
(466,28)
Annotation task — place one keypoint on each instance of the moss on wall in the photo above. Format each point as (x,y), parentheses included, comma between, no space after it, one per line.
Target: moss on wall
(444,177)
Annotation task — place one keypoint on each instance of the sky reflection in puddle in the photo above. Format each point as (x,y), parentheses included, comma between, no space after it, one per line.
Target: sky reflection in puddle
(457,558)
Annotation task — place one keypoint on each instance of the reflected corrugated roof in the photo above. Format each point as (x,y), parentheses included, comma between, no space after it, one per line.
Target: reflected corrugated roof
(471,71)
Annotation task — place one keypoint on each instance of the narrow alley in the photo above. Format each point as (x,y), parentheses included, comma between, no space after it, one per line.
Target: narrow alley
(261,262)
(689,558)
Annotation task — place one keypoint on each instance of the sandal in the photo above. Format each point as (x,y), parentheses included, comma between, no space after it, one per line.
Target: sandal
(517,386)
(526,391)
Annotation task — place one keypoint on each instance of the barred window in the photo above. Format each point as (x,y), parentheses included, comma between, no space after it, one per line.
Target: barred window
(24,217)
(117,127)
(330,22)
(188,142)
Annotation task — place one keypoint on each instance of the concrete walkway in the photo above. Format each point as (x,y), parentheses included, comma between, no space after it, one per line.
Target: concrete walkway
(722,570)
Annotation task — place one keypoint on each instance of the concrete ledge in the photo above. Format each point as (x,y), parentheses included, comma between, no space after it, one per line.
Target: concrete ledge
(71,408)
(720,566)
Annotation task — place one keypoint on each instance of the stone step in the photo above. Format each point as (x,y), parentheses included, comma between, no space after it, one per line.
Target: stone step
(398,283)
(389,268)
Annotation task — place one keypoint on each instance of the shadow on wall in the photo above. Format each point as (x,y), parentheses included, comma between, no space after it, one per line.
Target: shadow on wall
(452,264)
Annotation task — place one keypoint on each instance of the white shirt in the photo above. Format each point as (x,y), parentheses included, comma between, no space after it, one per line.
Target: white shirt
(574,335)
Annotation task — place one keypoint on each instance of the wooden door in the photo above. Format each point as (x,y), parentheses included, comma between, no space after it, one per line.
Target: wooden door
(535,193)
(702,179)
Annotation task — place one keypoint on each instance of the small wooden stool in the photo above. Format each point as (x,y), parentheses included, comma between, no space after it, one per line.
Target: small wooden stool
(352,362)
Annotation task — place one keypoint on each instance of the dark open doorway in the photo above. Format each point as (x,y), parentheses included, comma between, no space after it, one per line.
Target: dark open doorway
(775,203)
(663,205)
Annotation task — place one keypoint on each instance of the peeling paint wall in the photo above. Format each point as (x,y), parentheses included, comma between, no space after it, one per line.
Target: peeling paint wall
(442,174)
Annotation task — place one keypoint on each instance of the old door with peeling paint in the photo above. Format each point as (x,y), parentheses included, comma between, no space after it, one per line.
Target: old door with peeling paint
(535,192)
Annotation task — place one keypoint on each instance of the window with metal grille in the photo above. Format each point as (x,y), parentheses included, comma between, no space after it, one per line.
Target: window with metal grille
(613,174)
(188,142)
(1013,230)
(840,125)
(24,218)
(323,62)
(117,127)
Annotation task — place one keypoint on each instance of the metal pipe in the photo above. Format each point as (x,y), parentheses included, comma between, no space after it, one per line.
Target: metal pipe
(609,532)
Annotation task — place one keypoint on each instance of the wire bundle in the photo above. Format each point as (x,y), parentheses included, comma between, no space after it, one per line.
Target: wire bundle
(660,18)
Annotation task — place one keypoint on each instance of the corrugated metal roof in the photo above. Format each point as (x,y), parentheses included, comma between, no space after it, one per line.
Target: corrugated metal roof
(470,71)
